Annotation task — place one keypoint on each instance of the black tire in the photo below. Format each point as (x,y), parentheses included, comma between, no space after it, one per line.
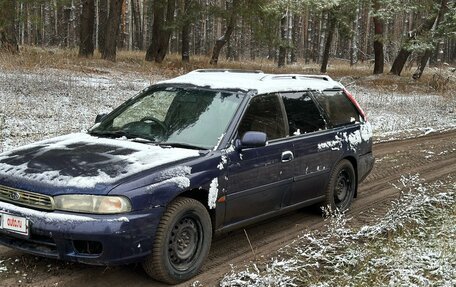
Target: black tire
(182,242)
(341,187)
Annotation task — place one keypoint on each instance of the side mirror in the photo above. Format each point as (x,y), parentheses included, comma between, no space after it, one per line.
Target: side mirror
(100,117)
(251,140)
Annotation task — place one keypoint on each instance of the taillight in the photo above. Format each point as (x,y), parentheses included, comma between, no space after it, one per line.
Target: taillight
(353,100)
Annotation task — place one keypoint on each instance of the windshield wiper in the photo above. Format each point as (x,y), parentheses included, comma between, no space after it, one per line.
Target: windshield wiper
(110,134)
(181,145)
(115,134)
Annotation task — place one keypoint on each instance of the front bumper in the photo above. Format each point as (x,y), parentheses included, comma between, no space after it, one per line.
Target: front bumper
(85,238)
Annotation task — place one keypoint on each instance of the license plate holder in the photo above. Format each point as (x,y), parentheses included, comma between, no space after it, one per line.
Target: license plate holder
(14,224)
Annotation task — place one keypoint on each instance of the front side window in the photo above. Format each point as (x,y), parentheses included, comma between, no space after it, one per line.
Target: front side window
(174,116)
(302,113)
(338,107)
(264,114)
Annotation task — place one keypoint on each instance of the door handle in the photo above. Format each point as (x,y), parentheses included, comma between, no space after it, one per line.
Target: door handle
(287,156)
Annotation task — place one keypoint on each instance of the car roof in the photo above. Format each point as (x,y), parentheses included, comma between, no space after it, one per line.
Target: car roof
(228,79)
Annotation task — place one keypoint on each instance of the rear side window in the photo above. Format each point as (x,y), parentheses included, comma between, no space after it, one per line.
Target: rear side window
(303,115)
(338,107)
(264,114)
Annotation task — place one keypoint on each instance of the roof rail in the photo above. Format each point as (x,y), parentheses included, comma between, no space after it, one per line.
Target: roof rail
(228,71)
(296,77)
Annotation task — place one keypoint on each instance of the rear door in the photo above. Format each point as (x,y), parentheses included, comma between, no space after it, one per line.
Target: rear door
(258,178)
(312,162)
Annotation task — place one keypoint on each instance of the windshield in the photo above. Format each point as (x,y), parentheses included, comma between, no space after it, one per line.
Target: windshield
(185,117)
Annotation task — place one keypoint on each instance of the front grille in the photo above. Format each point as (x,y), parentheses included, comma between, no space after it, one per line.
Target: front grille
(30,199)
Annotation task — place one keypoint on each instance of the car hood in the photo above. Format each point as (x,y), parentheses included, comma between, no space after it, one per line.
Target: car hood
(81,163)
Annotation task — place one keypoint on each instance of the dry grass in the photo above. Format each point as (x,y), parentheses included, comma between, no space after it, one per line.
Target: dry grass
(30,58)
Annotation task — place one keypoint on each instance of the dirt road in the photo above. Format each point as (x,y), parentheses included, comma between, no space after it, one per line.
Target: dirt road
(432,156)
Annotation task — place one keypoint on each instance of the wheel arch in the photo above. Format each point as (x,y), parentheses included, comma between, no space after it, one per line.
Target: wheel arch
(201,195)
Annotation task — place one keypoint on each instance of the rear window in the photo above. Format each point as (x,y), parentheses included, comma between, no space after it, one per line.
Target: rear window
(338,107)
(303,115)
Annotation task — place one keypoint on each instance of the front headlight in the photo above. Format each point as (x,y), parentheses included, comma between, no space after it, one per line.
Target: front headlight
(92,203)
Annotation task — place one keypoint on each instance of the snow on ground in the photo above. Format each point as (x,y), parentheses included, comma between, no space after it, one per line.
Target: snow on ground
(394,115)
(47,103)
(421,251)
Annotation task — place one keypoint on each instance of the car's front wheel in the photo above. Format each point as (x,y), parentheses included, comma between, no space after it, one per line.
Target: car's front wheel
(182,242)
(342,186)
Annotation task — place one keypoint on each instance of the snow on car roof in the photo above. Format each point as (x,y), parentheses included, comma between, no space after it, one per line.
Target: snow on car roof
(254,80)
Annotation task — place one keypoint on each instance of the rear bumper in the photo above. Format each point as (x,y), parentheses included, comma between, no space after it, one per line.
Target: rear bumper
(91,239)
(365,165)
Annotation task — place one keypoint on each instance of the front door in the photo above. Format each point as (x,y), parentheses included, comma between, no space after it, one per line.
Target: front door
(259,177)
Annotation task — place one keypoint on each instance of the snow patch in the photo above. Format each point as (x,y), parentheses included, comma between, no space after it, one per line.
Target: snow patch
(248,82)
(366,131)
(213,194)
(354,139)
(181,182)
(3,268)
(223,162)
(179,171)
(219,140)
(123,219)
(333,145)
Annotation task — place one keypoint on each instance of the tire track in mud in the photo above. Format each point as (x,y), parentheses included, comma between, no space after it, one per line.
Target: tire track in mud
(394,159)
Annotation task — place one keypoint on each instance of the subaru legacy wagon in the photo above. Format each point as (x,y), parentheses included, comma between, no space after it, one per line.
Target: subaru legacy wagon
(205,152)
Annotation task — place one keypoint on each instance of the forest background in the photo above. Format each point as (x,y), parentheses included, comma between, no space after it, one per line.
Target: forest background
(410,33)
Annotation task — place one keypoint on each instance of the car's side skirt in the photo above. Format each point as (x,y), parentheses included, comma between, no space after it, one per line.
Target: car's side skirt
(262,217)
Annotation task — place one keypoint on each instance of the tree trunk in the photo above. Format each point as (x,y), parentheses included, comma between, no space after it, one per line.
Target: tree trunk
(102,24)
(366,33)
(226,36)
(401,59)
(295,38)
(399,62)
(122,40)
(428,53)
(378,41)
(112,30)
(309,32)
(355,37)
(186,33)
(159,18)
(323,32)
(332,21)
(164,40)
(135,10)
(86,46)
(423,62)
(8,39)
(161,32)
(283,41)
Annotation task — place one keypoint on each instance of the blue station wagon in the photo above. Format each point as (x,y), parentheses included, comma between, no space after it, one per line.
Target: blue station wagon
(206,152)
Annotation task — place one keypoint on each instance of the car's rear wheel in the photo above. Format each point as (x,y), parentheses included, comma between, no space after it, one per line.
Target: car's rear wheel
(342,186)
(182,242)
